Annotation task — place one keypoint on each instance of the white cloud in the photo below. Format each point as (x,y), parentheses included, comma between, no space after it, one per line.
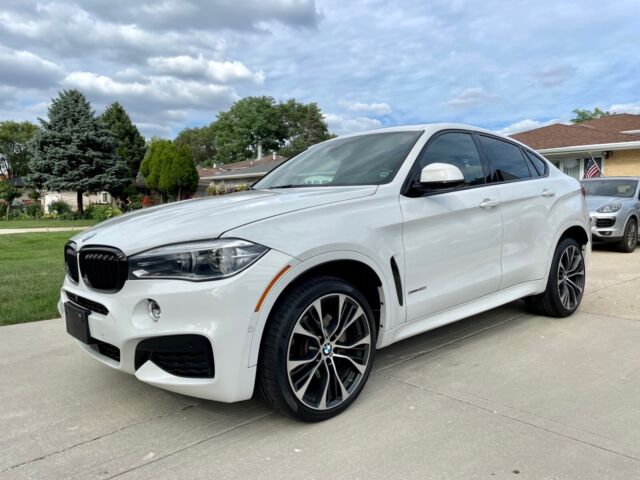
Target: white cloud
(325,50)
(626,108)
(24,69)
(555,75)
(39,109)
(524,125)
(471,97)
(375,108)
(6,95)
(150,130)
(208,14)
(168,92)
(73,32)
(200,67)
(341,124)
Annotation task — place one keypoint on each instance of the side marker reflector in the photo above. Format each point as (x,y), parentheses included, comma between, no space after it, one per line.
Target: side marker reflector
(270,286)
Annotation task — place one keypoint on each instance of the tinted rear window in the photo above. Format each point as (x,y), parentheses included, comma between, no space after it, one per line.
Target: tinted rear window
(506,159)
(539,164)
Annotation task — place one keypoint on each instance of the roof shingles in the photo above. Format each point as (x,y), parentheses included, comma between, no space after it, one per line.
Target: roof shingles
(593,132)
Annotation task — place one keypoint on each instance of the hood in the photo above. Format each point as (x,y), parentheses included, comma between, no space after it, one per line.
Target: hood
(595,202)
(209,217)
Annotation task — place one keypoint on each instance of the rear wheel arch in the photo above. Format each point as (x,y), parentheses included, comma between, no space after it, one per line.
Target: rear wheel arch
(577,233)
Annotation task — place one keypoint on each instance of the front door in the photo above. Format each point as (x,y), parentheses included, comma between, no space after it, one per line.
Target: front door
(453,239)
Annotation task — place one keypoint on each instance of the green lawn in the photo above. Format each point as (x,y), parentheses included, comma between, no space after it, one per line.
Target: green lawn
(45,222)
(31,273)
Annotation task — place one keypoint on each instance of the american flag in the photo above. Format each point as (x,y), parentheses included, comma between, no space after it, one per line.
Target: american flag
(592,169)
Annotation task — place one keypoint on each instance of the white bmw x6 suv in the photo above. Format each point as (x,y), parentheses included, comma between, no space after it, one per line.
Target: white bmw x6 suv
(358,242)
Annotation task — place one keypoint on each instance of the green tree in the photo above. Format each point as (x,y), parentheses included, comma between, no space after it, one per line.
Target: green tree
(201,141)
(73,150)
(14,143)
(584,115)
(130,145)
(169,169)
(305,126)
(8,193)
(249,122)
(182,178)
(150,166)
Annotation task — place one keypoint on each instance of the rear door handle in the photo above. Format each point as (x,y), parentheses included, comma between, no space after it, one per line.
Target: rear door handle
(489,203)
(548,193)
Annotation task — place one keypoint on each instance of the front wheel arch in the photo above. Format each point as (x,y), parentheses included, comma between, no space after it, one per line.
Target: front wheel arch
(385,310)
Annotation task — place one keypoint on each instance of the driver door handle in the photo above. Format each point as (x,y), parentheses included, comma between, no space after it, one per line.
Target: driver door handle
(548,193)
(489,203)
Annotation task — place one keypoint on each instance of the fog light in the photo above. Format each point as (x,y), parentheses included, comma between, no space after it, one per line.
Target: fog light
(154,310)
(606,234)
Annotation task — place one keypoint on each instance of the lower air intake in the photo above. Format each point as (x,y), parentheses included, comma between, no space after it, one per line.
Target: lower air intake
(180,355)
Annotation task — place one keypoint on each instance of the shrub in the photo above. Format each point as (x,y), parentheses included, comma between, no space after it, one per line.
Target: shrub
(104,212)
(147,201)
(34,211)
(60,208)
(135,202)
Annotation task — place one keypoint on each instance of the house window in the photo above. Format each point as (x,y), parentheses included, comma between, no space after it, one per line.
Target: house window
(576,167)
(104,197)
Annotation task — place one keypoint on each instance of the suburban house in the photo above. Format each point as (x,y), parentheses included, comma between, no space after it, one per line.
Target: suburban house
(225,176)
(612,141)
(97,198)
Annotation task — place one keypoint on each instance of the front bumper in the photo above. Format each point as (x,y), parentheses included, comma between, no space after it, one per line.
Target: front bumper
(221,310)
(606,227)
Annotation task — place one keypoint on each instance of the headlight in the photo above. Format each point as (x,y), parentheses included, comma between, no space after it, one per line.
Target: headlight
(612,207)
(204,260)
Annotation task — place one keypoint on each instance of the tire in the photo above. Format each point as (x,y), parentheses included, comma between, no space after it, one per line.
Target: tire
(565,285)
(313,370)
(629,239)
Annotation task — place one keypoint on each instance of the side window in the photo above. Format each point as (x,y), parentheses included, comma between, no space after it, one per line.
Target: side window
(538,163)
(456,149)
(506,159)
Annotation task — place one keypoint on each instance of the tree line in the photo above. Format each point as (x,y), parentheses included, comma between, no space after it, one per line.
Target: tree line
(74,149)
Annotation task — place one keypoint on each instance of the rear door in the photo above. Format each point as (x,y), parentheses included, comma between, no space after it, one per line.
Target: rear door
(452,240)
(527,201)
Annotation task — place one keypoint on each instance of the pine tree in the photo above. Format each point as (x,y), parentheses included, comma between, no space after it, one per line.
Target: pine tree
(130,144)
(73,150)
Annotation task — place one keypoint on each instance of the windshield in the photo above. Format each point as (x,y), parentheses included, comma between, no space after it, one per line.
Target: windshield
(611,188)
(369,159)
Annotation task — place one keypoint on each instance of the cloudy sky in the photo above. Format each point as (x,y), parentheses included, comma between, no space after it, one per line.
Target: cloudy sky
(504,65)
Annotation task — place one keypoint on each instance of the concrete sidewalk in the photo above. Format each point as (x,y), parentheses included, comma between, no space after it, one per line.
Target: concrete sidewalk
(8,231)
(501,395)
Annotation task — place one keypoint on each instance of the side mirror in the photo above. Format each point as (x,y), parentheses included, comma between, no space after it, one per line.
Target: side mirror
(438,176)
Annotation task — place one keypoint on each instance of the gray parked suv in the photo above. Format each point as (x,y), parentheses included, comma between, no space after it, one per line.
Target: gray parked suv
(614,208)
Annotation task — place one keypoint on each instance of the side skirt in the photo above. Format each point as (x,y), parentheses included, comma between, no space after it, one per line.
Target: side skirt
(461,311)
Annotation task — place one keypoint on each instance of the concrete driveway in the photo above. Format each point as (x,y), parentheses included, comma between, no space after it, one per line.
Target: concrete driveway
(501,395)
